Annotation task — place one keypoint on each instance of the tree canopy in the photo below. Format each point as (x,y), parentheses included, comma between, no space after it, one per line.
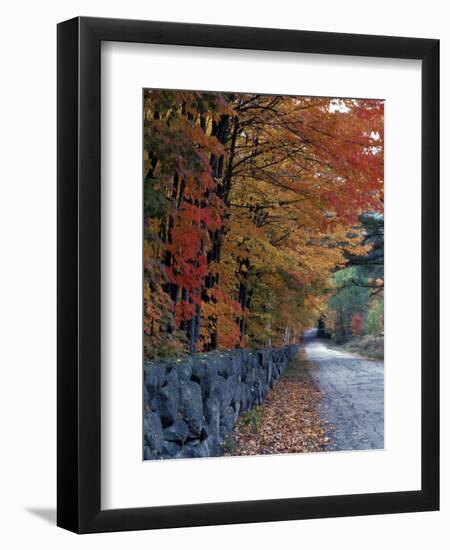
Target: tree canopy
(251,203)
(357,303)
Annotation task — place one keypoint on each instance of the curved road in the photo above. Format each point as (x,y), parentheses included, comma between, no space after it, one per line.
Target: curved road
(353,395)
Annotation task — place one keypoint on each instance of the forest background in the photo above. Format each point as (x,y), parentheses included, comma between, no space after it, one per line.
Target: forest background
(263,215)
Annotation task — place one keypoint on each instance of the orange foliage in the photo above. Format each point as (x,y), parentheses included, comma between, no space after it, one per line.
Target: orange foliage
(251,203)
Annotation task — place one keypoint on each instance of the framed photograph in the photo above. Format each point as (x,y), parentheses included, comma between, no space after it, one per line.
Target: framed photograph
(248,293)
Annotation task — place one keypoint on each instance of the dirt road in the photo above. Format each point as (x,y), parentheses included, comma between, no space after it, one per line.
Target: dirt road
(352,390)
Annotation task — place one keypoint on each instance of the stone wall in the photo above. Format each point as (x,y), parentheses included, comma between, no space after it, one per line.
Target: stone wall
(190,404)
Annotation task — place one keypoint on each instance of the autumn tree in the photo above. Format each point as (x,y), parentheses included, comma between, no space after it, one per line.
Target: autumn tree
(251,203)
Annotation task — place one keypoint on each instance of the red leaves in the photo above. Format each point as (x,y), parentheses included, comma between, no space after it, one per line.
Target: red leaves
(205,216)
(356,324)
(247,195)
(188,247)
(185,311)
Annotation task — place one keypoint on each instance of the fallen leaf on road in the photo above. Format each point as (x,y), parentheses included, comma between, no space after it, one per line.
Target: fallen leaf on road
(288,420)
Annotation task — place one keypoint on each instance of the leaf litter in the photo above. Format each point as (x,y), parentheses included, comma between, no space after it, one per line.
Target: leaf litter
(287,422)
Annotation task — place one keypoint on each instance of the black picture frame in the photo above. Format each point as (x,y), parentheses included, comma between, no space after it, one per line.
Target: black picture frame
(79,280)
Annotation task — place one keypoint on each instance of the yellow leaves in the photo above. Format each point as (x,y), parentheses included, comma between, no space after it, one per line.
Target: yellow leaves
(220,312)
(254,195)
(315,304)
